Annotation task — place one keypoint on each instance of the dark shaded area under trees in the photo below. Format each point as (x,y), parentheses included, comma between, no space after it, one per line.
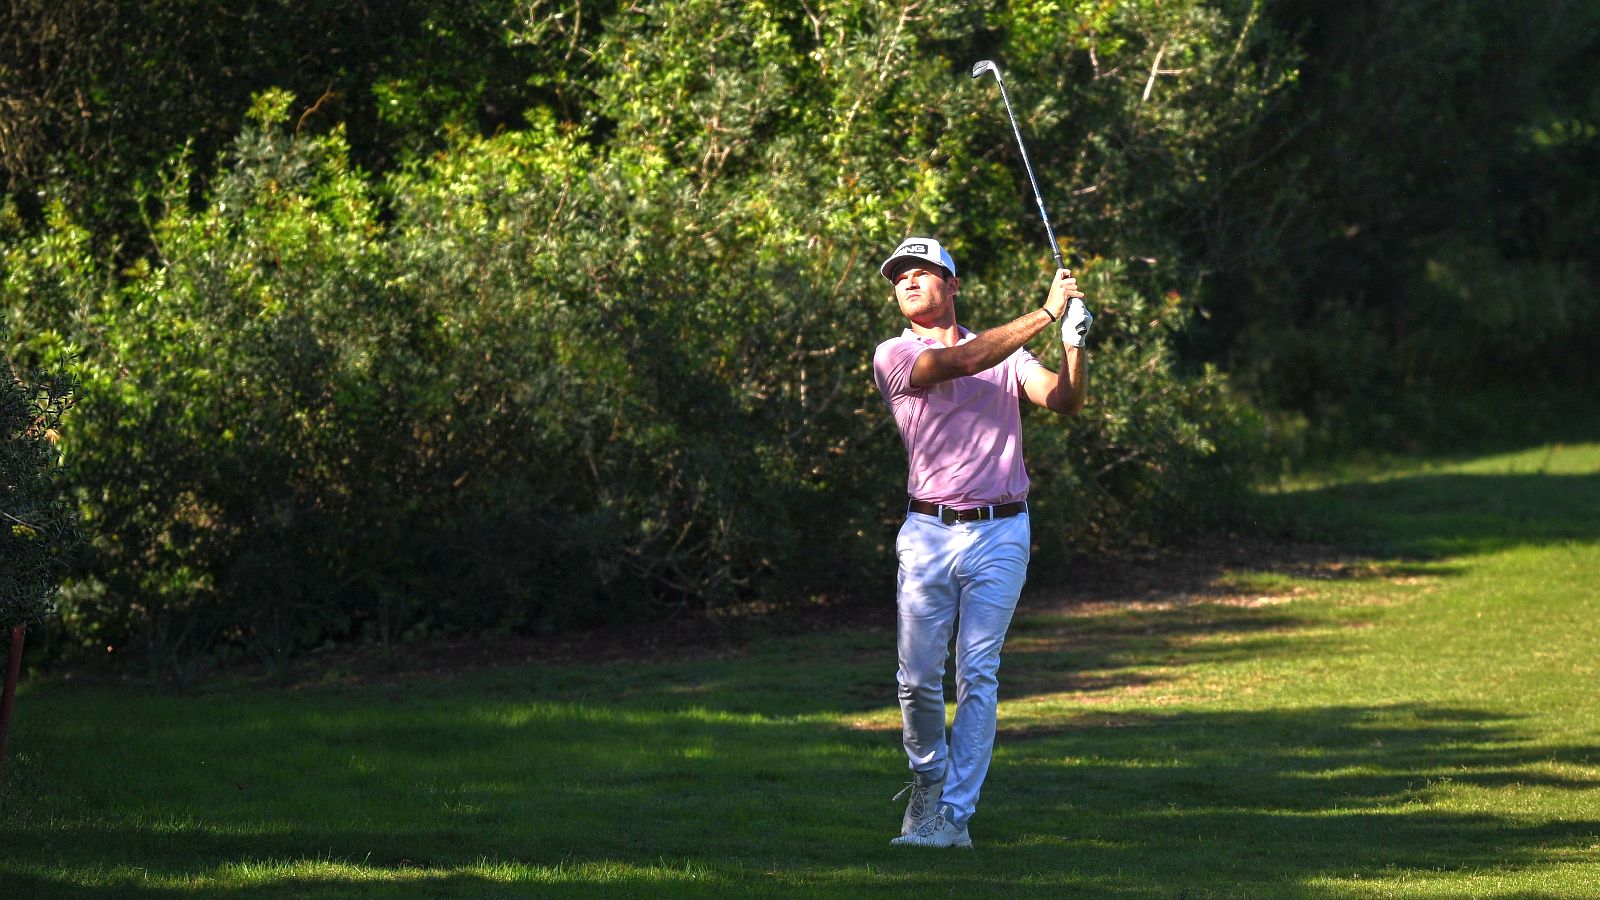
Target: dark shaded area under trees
(417,318)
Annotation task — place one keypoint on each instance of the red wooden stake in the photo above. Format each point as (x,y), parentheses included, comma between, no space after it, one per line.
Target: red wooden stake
(9,697)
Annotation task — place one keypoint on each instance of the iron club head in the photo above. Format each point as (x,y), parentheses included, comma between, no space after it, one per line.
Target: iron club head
(983,66)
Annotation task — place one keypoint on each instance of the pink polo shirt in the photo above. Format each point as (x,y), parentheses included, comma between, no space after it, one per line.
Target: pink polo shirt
(963,437)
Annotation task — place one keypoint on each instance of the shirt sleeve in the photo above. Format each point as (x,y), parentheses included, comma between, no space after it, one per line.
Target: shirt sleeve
(891,366)
(1024,365)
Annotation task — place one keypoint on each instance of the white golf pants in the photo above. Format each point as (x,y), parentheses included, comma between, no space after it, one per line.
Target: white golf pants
(969,573)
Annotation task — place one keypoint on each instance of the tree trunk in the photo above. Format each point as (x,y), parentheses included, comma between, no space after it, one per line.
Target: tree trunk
(9,697)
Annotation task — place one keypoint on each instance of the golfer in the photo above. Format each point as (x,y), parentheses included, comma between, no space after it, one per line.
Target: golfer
(964,547)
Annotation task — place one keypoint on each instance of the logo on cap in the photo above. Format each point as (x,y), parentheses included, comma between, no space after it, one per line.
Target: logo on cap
(922,248)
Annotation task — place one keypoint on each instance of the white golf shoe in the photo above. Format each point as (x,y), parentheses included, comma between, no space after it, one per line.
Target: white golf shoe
(924,802)
(938,830)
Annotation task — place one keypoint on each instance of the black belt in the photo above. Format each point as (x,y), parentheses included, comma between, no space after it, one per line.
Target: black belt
(949,515)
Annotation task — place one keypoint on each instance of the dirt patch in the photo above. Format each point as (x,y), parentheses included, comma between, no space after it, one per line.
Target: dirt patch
(1201,572)
(688,636)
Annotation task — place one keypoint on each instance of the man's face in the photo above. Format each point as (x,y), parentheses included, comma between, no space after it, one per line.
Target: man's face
(925,292)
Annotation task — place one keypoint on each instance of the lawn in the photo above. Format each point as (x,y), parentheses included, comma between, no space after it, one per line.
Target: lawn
(1406,707)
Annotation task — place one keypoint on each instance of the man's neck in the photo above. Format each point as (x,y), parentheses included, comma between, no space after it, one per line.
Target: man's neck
(945,331)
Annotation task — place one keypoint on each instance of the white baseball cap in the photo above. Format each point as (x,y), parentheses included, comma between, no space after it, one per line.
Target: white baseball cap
(922,248)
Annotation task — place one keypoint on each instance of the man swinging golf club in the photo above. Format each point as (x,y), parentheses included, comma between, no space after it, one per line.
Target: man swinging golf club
(963,549)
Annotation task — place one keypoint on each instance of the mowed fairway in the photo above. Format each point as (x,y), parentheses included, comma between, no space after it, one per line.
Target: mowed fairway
(1412,711)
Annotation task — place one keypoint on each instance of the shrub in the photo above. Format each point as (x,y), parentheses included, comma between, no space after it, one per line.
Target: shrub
(586,372)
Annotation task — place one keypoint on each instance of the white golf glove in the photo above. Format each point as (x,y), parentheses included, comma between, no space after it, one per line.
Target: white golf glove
(1075,324)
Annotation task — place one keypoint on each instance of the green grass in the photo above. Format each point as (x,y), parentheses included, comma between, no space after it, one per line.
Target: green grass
(1418,716)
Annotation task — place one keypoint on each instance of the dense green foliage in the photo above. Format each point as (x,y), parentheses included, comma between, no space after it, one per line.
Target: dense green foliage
(38,527)
(99,93)
(553,313)
(1415,260)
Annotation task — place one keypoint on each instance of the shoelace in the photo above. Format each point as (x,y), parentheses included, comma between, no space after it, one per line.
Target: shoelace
(915,789)
(931,824)
(919,798)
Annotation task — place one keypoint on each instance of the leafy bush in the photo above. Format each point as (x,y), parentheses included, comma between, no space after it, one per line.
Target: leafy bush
(596,369)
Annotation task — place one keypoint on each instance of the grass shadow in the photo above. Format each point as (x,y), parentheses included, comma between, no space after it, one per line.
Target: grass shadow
(1429,516)
(567,797)
(1354,792)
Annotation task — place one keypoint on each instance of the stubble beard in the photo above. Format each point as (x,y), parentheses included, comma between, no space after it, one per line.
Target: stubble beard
(928,310)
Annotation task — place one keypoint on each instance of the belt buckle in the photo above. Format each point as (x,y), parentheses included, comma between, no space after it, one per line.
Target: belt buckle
(947,515)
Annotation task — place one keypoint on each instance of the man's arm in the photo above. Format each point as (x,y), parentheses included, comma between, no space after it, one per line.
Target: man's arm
(991,347)
(1065,393)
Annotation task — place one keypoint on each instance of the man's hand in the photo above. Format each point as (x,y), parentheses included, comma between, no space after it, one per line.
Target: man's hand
(1063,289)
(1075,327)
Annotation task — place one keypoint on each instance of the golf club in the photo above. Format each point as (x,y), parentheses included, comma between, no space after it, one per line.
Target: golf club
(988,65)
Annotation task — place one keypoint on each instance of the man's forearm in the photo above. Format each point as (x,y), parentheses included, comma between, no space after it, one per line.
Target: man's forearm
(1072,388)
(989,348)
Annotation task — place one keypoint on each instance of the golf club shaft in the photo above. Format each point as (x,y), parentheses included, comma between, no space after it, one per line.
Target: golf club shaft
(1055,249)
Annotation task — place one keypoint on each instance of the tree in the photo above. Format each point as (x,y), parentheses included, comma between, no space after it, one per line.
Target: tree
(96,94)
(1423,257)
(37,525)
